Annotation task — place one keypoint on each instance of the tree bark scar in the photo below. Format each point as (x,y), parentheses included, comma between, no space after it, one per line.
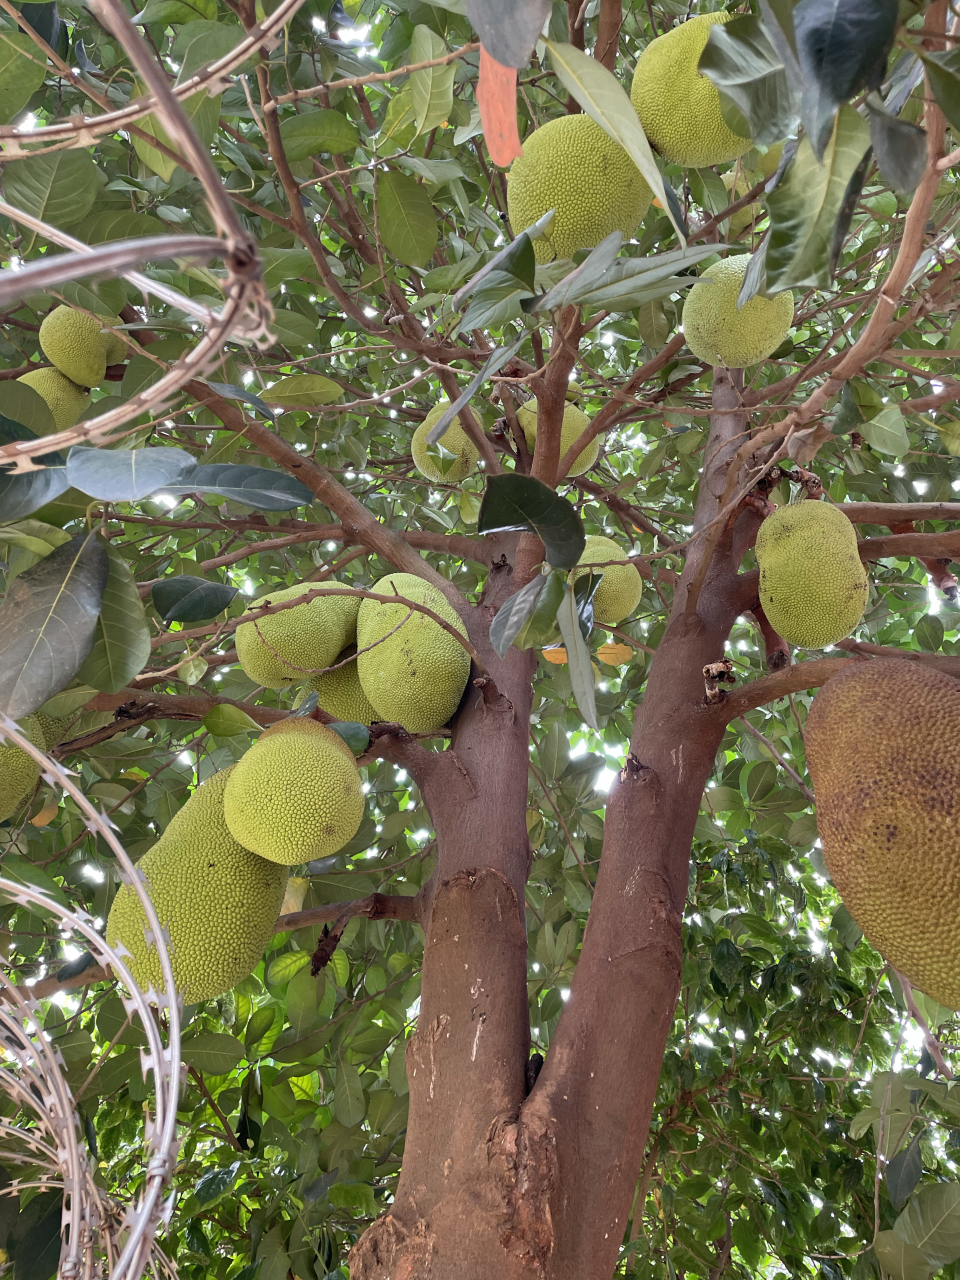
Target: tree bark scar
(389,1249)
(524,1160)
(635,771)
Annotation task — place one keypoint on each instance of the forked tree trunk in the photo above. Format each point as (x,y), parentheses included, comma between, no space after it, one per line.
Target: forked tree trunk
(497,1184)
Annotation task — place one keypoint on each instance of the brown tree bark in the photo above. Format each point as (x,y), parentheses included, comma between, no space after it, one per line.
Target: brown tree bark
(493,1183)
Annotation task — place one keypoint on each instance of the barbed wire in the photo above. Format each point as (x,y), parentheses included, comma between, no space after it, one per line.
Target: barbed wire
(94,1227)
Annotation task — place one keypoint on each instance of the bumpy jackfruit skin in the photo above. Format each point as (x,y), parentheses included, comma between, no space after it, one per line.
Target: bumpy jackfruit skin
(65,400)
(678,107)
(620,586)
(575,422)
(813,586)
(340,692)
(285,647)
(718,334)
(53,728)
(116,350)
(217,901)
(572,165)
(455,440)
(417,676)
(769,162)
(302,724)
(19,772)
(883,749)
(295,795)
(75,344)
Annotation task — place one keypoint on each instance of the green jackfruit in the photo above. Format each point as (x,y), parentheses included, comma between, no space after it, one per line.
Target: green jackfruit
(53,728)
(620,586)
(718,334)
(340,692)
(678,107)
(75,344)
(218,902)
(454,440)
(116,350)
(813,586)
(19,773)
(295,795)
(416,676)
(572,165)
(287,646)
(883,748)
(575,422)
(65,400)
(769,162)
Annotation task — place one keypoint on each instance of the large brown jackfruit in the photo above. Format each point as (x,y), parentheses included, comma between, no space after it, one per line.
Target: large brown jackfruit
(883,750)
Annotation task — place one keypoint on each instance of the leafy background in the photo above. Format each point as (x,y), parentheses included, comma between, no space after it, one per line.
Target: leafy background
(776,1092)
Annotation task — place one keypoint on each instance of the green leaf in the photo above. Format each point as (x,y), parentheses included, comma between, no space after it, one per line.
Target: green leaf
(171,13)
(211,1186)
(261,1020)
(59,187)
(899,145)
(215,1053)
(22,71)
(349,1102)
(226,721)
(355,735)
(805,206)
(928,632)
(601,96)
(303,999)
(514,613)
(497,300)
(514,501)
(184,598)
(125,475)
(121,646)
(48,623)
(316,132)
(578,657)
(202,111)
(256,487)
(899,1259)
(931,1222)
(22,404)
(283,968)
(886,431)
(943,70)
(903,1173)
(491,365)
(303,389)
(542,628)
(745,67)
(281,265)
(405,218)
(431,88)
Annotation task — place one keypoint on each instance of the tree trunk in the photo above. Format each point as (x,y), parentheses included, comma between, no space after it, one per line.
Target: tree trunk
(493,1183)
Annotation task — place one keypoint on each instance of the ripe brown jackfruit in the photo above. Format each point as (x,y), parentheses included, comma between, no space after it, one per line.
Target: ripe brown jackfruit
(883,749)
(813,586)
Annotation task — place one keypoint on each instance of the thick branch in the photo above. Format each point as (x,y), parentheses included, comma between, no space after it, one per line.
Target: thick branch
(377,906)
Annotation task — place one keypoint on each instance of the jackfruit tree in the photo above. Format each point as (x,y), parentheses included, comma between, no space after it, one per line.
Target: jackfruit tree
(479,508)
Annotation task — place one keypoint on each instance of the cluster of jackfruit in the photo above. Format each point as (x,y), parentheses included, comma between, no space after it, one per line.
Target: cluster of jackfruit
(883,749)
(80,350)
(19,772)
(720,333)
(620,584)
(408,670)
(813,586)
(217,901)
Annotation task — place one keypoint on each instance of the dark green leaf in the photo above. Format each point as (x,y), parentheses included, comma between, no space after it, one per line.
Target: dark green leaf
(211,1186)
(944,72)
(121,645)
(38,1250)
(349,1102)
(55,186)
(515,259)
(23,494)
(356,736)
(48,622)
(508,30)
(255,487)
(515,501)
(931,1222)
(230,392)
(315,132)
(900,147)
(741,61)
(903,1173)
(928,632)
(542,628)
(22,69)
(514,613)
(495,302)
(213,1053)
(184,598)
(407,222)
(125,475)
(899,1259)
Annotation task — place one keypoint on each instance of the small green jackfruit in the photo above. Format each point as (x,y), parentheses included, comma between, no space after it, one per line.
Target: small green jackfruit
(718,334)
(296,794)
(679,107)
(575,422)
(75,344)
(217,901)
(882,744)
(454,440)
(620,586)
(19,773)
(53,728)
(416,676)
(116,350)
(65,400)
(285,647)
(813,586)
(769,162)
(340,692)
(572,165)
